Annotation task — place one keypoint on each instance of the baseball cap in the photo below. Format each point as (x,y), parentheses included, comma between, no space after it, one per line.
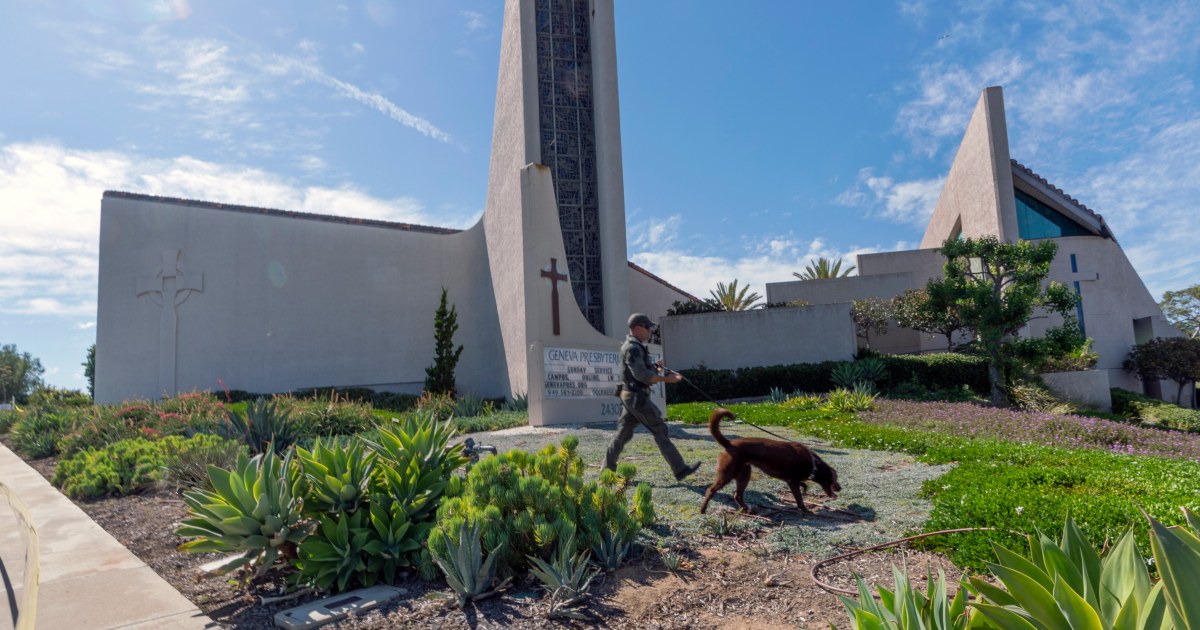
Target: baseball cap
(641,319)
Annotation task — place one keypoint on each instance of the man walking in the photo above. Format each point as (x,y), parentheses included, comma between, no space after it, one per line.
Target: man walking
(638,373)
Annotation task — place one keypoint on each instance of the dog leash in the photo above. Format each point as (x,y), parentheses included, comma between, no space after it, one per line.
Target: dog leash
(737,417)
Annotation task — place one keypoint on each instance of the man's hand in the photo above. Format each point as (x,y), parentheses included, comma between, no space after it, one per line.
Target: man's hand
(673,377)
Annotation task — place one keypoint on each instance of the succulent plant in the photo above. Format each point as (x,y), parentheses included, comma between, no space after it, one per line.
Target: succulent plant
(566,578)
(466,570)
(264,425)
(338,475)
(255,510)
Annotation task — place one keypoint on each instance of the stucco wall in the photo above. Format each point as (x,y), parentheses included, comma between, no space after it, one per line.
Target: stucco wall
(978,194)
(286,303)
(773,336)
(1088,389)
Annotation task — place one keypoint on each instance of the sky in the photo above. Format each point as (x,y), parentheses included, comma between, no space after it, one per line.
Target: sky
(756,135)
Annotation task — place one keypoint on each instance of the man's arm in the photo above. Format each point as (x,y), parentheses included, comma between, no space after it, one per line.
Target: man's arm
(640,369)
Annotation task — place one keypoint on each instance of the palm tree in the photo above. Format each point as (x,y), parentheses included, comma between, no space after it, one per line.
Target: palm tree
(733,299)
(824,268)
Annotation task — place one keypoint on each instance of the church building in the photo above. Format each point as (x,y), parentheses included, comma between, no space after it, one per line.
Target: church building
(196,295)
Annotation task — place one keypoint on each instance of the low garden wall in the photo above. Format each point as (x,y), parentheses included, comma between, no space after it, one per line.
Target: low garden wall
(25,554)
(1087,388)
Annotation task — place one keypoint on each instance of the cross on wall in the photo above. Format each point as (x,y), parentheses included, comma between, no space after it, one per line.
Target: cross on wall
(555,276)
(168,288)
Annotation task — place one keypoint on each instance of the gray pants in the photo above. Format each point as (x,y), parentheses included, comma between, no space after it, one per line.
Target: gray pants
(637,408)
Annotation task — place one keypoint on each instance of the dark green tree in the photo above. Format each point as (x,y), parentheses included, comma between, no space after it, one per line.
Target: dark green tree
(1174,358)
(439,377)
(996,287)
(89,371)
(20,374)
(914,309)
(870,315)
(1182,308)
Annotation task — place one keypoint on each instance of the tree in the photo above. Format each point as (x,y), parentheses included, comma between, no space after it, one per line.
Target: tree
(733,299)
(439,377)
(89,371)
(1182,308)
(1174,358)
(20,374)
(870,315)
(996,287)
(914,309)
(823,268)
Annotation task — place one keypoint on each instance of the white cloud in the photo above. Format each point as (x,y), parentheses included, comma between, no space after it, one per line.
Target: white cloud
(374,100)
(948,93)
(474,20)
(85,325)
(763,259)
(909,202)
(654,233)
(50,209)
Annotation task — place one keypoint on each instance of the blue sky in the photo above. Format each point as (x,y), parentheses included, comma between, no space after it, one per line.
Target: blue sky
(756,135)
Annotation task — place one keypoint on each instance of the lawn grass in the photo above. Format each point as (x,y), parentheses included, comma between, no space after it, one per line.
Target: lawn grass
(1011,470)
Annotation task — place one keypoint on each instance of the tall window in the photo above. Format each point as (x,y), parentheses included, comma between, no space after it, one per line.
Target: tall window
(1037,220)
(568,139)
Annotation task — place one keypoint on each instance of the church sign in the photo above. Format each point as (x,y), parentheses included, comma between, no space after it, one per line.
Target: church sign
(580,384)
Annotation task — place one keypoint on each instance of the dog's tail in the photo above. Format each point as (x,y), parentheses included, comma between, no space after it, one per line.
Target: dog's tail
(714,427)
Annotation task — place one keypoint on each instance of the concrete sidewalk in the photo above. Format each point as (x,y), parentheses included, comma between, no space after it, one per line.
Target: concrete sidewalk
(87,579)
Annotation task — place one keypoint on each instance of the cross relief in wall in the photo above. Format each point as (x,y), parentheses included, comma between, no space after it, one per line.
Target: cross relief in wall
(168,286)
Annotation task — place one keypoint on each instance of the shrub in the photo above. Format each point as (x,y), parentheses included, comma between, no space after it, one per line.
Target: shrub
(48,396)
(121,468)
(324,416)
(37,433)
(439,377)
(1154,412)
(493,422)
(803,402)
(264,426)
(186,462)
(519,402)
(851,400)
(1037,397)
(469,405)
(9,417)
(708,305)
(525,503)
(937,371)
(440,406)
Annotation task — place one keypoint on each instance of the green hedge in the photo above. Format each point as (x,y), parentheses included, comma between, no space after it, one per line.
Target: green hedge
(933,371)
(1153,411)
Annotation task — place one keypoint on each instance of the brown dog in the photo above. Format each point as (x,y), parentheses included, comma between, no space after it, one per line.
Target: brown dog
(791,462)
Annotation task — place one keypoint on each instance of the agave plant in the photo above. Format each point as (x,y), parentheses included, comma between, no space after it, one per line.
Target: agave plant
(338,475)
(416,463)
(844,400)
(333,555)
(566,578)
(254,510)
(610,549)
(467,572)
(264,425)
(907,607)
(776,396)
(863,373)
(519,402)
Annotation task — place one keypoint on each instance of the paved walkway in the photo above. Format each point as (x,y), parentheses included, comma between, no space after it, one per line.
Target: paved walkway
(87,578)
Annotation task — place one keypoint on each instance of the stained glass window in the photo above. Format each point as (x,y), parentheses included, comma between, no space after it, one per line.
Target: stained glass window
(568,140)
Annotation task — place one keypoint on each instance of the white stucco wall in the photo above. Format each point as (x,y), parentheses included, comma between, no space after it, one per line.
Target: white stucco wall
(772,336)
(286,302)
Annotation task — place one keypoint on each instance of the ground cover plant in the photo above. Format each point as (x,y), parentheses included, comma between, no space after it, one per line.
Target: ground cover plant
(1013,470)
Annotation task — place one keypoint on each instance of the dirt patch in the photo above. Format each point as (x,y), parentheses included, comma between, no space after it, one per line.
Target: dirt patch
(737,571)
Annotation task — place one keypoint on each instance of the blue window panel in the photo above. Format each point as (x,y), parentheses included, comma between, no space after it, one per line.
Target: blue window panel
(1074,267)
(1037,220)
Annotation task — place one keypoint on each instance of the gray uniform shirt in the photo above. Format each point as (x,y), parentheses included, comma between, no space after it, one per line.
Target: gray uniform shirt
(638,371)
